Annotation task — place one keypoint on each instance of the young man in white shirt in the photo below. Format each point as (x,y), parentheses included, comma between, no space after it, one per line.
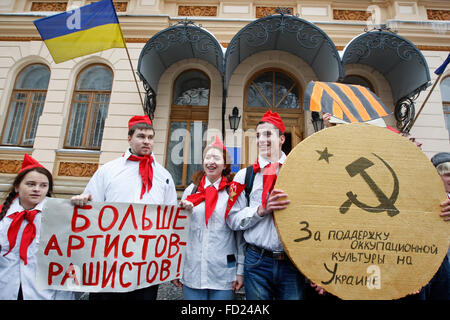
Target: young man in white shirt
(135,177)
(268,272)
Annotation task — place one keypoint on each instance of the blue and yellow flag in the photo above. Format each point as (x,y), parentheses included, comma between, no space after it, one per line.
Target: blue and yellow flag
(81,31)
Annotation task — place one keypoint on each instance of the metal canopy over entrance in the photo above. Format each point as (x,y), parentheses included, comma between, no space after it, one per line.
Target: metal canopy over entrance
(282,32)
(398,60)
(181,41)
(395,57)
(290,34)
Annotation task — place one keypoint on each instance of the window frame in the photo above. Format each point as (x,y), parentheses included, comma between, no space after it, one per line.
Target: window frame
(187,114)
(294,119)
(249,82)
(28,106)
(92,94)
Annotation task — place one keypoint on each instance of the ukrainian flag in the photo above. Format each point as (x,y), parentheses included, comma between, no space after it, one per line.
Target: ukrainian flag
(82,31)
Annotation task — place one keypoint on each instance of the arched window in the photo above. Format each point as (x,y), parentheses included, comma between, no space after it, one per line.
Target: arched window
(25,106)
(191,89)
(89,108)
(274,90)
(188,123)
(358,80)
(445,93)
(279,91)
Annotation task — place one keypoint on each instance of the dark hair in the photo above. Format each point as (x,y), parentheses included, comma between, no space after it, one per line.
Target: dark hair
(279,131)
(226,172)
(12,191)
(141,126)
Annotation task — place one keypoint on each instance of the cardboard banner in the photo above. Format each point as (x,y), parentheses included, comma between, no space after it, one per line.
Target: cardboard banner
(110,247)
(363,221)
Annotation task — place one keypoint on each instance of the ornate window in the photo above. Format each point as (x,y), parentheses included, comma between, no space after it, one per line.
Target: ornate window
(188,122)
(273,90)
(25,106)
(278,91)
(445,93)
(89,108)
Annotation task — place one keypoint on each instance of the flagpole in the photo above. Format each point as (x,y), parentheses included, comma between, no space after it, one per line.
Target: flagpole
(439,71)
(134,75)
(426,99)
(129,60)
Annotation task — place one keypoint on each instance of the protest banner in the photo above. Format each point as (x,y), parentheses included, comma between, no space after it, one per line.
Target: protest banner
(363,221)
(110,247)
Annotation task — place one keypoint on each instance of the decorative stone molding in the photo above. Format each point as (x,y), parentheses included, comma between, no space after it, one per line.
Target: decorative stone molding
(10,166)
(420,47)
(433,48)
(120,6)
(267,11)
(77,169)
(438,14)
(75,164)
(48,6)
(354,15)
(197,11)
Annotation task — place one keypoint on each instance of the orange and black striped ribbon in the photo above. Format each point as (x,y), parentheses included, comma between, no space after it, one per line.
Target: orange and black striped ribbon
(351,103)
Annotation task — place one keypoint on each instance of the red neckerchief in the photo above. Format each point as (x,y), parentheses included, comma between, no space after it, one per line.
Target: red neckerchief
(145,170)
(209,194)
(29,233)
(269,179)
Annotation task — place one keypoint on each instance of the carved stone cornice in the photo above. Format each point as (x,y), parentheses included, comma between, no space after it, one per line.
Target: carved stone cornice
(438,14)
(48,6)
(354,15)
(197,11)
(120,6)
(433,48)
(10,166)
(267,11)
(77,169)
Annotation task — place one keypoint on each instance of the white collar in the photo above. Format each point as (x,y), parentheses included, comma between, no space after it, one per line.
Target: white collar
(17,207)
(215,184)
(128,153)
(263,162)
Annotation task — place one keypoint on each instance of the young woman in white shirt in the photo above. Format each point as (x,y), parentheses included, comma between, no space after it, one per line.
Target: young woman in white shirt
(20,224)
(213,266)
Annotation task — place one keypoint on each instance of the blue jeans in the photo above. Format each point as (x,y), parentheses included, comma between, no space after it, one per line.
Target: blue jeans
(439,286)
(266,278)
(206,294)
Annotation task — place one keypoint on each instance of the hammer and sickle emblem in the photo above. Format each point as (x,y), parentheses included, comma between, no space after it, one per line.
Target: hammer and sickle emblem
(386,204)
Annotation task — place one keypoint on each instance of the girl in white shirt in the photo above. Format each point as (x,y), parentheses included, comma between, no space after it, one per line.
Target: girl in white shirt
(20,224)
(213,265)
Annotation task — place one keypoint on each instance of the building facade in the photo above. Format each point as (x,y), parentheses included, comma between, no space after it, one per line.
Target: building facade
(196,63)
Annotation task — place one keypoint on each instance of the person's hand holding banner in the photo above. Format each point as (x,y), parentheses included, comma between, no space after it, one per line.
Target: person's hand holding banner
(364,219)
(110,247)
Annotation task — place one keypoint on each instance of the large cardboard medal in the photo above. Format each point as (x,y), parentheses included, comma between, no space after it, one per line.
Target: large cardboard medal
(363,221)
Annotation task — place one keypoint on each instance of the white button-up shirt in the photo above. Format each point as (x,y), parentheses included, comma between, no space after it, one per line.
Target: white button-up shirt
(119,181)
(259,231)
(214,253)
(13,271)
